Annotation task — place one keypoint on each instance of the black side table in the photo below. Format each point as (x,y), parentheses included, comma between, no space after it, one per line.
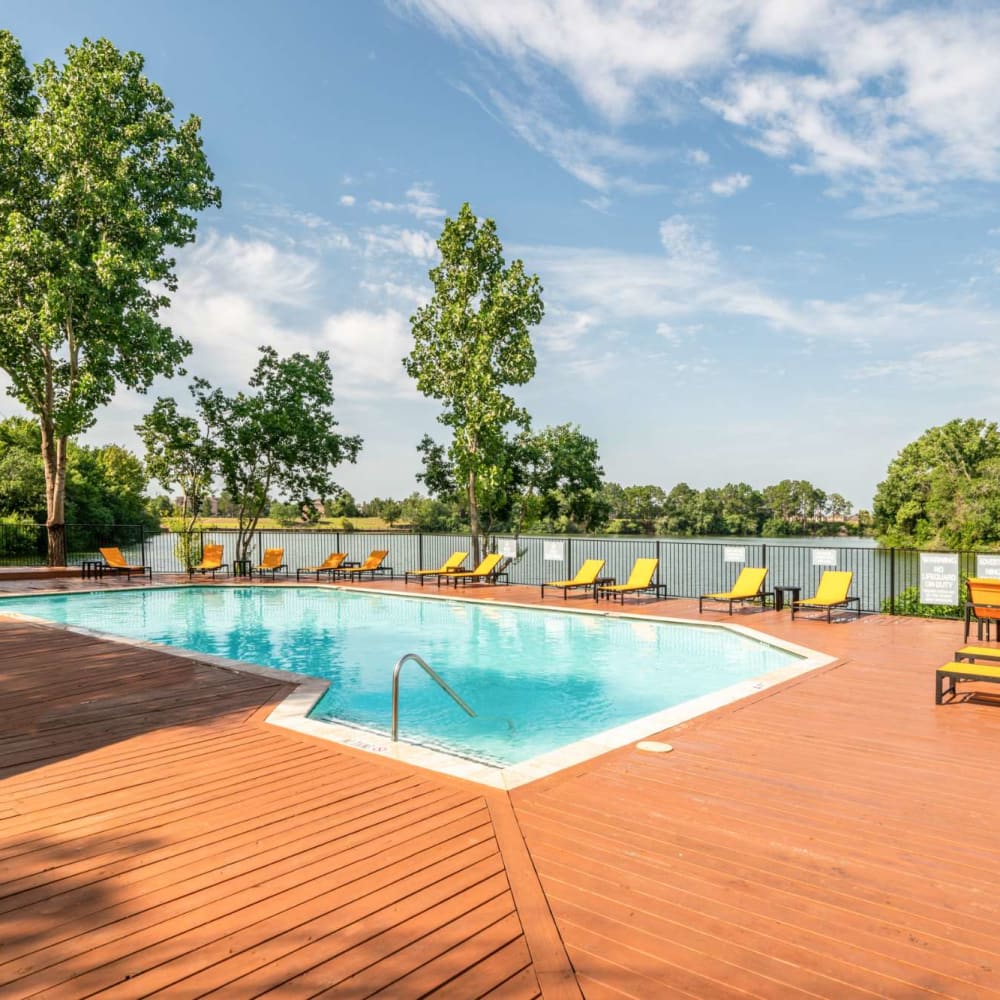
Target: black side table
(779,596)
(92,567)
(243,567)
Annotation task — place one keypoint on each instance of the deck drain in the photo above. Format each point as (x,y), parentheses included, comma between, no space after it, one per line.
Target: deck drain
(654,746)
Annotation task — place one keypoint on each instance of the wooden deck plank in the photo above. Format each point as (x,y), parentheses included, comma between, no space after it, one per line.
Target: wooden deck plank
(833,837)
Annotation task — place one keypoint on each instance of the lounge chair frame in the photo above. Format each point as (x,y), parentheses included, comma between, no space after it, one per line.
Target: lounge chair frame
(346,572)
(261,569)
(726,598)
(111,566)
(809,605)
(567,585)
(208,569)
(973,606)
(619,590)
(947,676)
(828,608)
(493,577)
(322,568)
(442,571)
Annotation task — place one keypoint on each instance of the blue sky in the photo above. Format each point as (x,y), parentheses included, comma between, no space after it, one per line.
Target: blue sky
(768,233)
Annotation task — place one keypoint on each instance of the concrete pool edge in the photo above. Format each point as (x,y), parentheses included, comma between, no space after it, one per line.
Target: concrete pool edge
(292,712)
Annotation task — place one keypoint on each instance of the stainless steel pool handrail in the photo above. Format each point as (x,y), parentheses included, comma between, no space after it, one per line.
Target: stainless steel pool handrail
(434,676)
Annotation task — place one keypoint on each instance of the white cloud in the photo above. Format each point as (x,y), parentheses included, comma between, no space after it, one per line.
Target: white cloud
(394,240)
(686,247)
(420,202)
(219,265)
(888,102)
(965,362)
(726,187)
(366,353)
(347,199)
(699,157)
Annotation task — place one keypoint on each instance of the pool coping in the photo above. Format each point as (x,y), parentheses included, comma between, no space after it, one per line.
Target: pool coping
(292,712)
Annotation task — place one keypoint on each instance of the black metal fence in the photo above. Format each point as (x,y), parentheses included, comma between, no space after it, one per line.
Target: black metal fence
(885,579)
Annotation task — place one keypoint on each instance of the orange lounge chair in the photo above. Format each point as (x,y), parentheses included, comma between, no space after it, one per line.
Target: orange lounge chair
(831,593)
(272,562)
(639,581)
(331,562)
(749,586)
(586,576)
(211,561)
(115,562)
(371,566)
(983,604)
(489,570)
(453,564)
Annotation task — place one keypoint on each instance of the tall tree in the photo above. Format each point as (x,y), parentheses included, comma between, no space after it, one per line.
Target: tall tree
(471,342)
(97,182)
(278,439)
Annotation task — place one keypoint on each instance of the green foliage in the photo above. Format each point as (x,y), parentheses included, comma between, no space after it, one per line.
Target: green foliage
(908,603)
(471,342)
(943,490)
(277,439)
(96,183)
(288,515)
(178,453)
(561,477)
(104,485)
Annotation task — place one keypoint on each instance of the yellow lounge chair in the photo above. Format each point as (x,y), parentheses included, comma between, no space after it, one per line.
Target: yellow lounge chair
(488,571)
(586,576)
(211,561)
(639,580)
(116,563)
(983,604)
(272,562)
(451,565)
(331,562)
(371,566)
(831,593)
(749,586)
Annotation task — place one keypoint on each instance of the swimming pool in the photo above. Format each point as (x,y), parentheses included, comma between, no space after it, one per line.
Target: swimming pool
(537,680)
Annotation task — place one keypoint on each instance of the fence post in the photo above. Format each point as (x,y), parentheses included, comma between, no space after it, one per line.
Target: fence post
(892,580)
(763,555)
(569,555)
(142,542)
(420,551)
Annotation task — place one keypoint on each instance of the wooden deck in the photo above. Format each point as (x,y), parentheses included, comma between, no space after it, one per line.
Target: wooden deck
(834,837)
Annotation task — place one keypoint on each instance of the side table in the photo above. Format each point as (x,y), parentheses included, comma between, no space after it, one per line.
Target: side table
(243,567)
(779,596)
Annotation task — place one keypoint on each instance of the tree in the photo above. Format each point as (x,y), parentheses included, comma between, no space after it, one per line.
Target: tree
(279,439)
(178,453)
(96,182)
(562,479)
(943,489)
(470,342)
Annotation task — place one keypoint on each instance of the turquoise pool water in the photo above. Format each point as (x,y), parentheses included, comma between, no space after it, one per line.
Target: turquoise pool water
(536,679)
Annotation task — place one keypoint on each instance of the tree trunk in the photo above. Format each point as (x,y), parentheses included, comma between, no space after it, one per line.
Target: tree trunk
(474,519)
(54,459)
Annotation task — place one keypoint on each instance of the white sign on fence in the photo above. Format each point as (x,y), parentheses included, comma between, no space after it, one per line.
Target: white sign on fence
(938,578)
(988,566)
(554,552)
(734,554)
(507,547)
(824,557)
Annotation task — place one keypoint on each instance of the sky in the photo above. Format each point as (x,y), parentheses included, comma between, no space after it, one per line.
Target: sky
(768,233)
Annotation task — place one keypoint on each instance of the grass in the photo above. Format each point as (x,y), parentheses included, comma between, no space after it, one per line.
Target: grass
(326,523)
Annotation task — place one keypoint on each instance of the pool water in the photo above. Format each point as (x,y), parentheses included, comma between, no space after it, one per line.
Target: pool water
(537,680)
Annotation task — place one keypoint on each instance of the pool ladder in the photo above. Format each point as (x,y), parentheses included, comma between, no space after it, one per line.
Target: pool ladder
(434,676)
